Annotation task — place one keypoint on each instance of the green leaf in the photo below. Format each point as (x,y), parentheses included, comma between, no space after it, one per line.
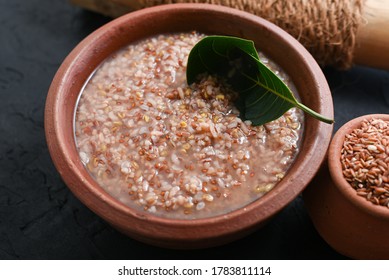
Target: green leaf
(263,96)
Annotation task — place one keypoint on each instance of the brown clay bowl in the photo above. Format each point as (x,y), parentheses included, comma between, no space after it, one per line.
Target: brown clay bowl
(349,223)
(209,19)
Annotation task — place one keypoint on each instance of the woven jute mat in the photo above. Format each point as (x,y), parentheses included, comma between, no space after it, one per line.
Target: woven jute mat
(327,28)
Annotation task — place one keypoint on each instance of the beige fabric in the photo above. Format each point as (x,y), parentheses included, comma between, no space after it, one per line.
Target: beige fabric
(327,28)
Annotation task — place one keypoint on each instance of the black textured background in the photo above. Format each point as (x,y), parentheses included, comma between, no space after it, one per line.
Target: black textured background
(41,219)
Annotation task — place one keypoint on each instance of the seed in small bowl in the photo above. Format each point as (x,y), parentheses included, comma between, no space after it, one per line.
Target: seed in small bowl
(365,160)
(347,199)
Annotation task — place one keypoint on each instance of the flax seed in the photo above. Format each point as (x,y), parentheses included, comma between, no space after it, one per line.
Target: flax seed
(368,173)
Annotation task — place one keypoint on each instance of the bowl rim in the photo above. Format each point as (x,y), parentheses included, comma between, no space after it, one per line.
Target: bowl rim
(335,167)
(273,201)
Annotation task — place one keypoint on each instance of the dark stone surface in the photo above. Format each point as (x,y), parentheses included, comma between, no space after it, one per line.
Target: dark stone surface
(41,219)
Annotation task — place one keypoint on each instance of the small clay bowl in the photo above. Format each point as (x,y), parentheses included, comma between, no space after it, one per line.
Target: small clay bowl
(210,19)
(349,223)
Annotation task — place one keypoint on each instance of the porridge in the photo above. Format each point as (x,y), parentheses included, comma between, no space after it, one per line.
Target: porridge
(178,151)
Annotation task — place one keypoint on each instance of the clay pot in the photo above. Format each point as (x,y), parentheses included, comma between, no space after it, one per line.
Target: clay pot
(209,19)
(349,223)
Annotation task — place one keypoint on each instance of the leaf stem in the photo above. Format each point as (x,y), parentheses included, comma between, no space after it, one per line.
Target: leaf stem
(294,102)
(313,113)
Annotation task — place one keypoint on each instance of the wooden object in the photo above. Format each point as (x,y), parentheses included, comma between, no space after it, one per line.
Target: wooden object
(110,8)
(372,38)
(372,46)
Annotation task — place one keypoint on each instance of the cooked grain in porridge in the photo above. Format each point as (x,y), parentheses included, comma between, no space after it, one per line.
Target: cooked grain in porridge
(174,150)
